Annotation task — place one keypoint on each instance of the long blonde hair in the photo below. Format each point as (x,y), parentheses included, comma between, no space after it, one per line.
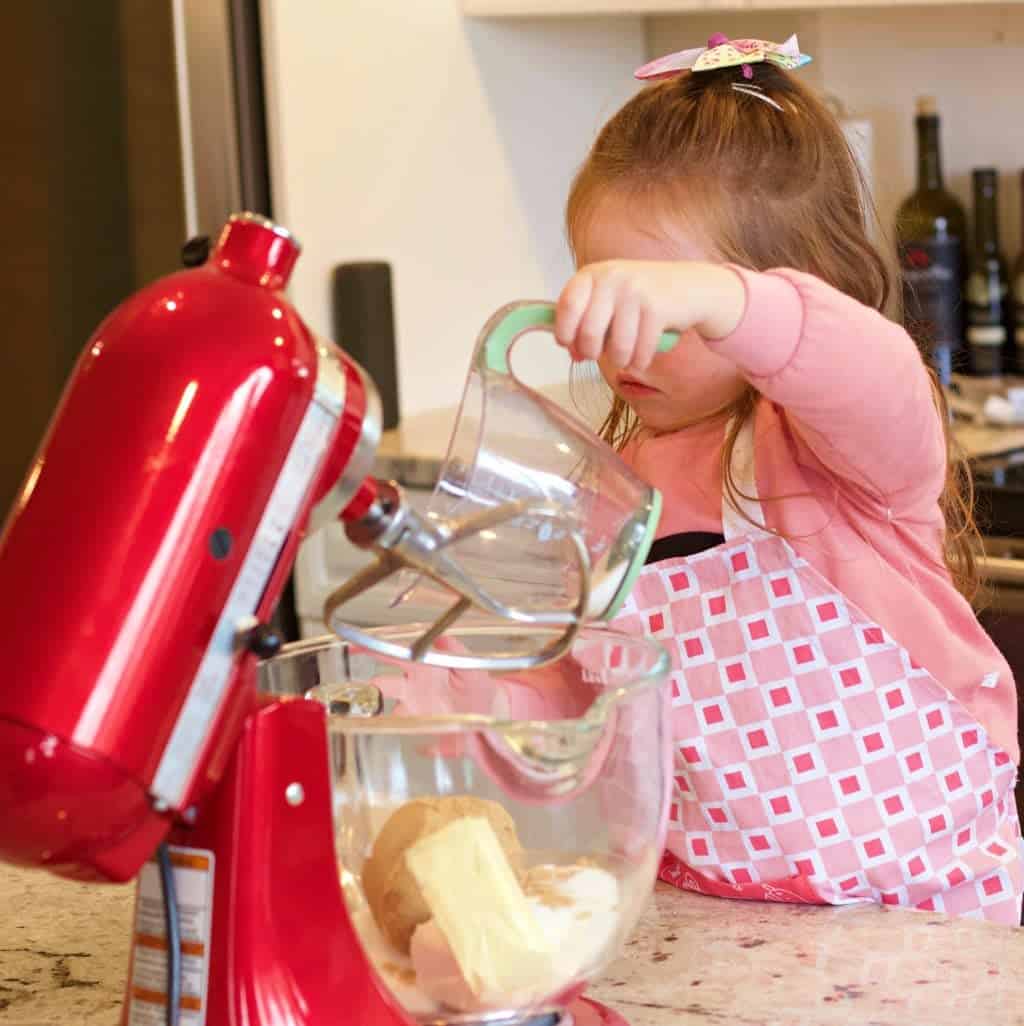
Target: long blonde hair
(772,189)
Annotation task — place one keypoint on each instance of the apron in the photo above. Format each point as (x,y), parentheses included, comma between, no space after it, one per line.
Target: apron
(815,760)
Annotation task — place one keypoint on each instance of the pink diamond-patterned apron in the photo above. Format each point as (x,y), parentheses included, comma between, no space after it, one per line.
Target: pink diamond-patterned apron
(816,761)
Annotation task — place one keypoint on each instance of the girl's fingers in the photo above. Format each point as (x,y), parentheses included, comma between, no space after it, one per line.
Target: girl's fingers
(594,325)
(648,335)
(572,305)
(620,344)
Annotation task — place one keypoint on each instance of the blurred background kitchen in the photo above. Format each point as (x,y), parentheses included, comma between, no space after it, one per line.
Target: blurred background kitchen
(421,152)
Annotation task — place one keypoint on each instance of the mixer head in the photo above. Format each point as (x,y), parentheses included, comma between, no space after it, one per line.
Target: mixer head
(205,429)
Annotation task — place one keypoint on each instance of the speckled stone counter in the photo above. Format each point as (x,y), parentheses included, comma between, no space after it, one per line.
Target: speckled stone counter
(704,960)
(693,960)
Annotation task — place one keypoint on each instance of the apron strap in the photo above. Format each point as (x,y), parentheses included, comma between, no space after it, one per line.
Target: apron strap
(735,525)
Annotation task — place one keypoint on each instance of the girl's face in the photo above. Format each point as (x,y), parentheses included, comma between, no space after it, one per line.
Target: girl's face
(692,381)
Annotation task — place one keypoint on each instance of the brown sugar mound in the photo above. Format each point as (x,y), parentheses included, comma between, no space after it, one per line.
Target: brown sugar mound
(391,891)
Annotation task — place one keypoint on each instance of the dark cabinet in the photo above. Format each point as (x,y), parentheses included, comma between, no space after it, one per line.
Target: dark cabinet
(1003,618)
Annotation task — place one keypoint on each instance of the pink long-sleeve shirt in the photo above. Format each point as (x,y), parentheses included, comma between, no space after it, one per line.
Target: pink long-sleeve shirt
(850,460)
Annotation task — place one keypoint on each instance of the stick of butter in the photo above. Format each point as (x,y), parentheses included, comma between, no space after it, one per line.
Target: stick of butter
(477,903)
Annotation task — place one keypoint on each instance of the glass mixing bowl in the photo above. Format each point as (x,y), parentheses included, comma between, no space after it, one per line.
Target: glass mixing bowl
(497,835)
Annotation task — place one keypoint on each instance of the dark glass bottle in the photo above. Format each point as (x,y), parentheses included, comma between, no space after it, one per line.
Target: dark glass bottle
(931,235)
(989,333)
(1017,290)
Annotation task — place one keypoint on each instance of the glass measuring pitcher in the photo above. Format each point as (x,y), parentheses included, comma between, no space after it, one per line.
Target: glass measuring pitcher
(510,444)
(533,518)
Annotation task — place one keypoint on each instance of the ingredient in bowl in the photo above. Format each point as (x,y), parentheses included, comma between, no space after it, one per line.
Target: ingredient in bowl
(479,909)
(453,920)
(576,910)
(391,890)
(437,972)
(395,969)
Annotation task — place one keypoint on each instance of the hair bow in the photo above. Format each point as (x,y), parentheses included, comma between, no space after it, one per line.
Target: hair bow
(722,52)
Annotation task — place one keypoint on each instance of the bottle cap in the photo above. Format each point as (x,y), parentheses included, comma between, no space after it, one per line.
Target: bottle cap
(927,107)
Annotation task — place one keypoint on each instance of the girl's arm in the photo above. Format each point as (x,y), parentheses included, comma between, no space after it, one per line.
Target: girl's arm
(852,382)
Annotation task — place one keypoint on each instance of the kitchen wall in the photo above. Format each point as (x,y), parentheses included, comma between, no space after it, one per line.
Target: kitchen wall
(971,58)
(406,133)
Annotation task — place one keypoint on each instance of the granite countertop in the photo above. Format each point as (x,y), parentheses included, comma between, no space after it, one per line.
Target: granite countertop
(693,960)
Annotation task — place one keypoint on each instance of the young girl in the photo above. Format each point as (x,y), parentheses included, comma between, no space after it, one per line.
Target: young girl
(845,728)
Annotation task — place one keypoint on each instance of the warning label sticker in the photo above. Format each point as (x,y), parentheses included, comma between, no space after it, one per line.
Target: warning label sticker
(147,992)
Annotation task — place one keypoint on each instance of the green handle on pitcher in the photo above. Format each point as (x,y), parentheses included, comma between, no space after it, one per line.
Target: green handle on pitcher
(516,319)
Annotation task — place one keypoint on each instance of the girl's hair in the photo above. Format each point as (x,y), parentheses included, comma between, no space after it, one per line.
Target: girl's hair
(770,188)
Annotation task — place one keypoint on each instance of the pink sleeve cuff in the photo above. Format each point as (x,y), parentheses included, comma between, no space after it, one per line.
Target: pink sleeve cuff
(768,335)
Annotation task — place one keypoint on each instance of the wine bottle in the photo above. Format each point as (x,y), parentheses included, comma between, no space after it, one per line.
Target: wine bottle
(1017,289)
(988,287)
(931,231)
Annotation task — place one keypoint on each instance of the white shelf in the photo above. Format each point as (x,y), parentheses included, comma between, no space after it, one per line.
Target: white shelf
(578,8)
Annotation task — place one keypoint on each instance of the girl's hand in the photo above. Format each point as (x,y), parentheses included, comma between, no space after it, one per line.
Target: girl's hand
(618,309)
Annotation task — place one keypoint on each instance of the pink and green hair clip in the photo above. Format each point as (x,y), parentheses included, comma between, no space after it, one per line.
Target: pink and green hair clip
(722,52)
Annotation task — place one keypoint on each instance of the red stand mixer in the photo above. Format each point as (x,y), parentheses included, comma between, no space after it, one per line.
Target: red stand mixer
(204,430)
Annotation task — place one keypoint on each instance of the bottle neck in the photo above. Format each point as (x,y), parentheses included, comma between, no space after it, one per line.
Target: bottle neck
(986,221)
(929,160)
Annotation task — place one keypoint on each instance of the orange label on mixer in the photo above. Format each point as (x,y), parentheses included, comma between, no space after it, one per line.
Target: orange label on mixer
(181,859)
(144,940)
(147,993)
(156,997)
